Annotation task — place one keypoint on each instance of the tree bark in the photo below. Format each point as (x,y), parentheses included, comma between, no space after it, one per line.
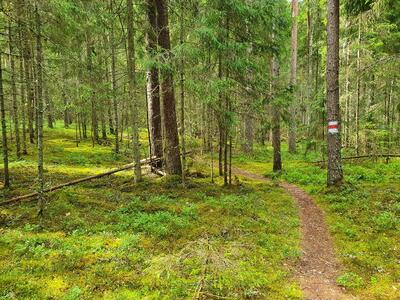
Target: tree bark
(335,172)
(293,75)
(182,90)
(40,110)
(114,80)
(276,118)
(358,88)
(22,11)
(6,177)
(14,92)
(153,84)
(95,126)
(132,91)
(168,111)
(347,92)
(23,97)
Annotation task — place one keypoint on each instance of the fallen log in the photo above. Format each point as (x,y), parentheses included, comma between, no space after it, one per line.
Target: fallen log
(76,181)
(159,172)
(361,157)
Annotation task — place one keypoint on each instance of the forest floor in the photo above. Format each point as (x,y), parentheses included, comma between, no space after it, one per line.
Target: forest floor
(363,217)
(318,267)
(111,239)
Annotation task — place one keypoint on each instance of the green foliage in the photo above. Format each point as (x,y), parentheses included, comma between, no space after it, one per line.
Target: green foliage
(111,239)
(350,280)
(363,215)
(355,7)
(386,221)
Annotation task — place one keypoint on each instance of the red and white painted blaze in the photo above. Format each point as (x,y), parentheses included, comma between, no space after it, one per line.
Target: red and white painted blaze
(333,127)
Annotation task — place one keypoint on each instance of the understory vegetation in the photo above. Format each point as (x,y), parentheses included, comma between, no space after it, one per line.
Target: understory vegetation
(200,149)
(363,215)
(111,239)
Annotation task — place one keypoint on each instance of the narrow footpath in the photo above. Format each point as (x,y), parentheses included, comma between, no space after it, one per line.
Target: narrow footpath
(318,267)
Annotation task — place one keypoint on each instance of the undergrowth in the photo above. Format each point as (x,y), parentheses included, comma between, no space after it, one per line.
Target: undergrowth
(363,215)
(112,239)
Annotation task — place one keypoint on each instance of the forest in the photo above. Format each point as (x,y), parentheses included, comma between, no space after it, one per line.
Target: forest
(200,149)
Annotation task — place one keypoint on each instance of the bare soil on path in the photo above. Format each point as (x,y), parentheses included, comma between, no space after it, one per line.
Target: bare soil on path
(318,267)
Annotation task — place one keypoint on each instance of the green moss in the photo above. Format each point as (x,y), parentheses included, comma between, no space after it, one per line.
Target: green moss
(363,216)
(112,239)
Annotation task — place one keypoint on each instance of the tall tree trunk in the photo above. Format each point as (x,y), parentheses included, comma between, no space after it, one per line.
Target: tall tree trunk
(35,91)
(153,84)
(95,126)
(132,91)
(23,97)
(293,75)
(276,118)
(25,37)
(221,125)
(310,62)
(4,129)
(168,111)
(347,92)
(22,71)
(114,80)
(182,89)
(14,92)
(358,88)
(40,109)
(335,172)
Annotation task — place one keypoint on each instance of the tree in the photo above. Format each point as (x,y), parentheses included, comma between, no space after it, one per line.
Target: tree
(293,75)
(4,129)
(40,109)
(114,79)
(132,91)
(14,91)
(153,84)
(335,173)
(276,117)
(182,91)
(168,110)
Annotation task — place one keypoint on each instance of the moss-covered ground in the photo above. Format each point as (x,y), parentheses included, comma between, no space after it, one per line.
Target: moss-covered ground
(112,239)
(363,216)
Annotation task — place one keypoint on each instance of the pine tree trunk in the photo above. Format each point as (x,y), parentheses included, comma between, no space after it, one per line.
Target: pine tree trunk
(25,37)
(168,109)
(276,118)
(293,75)
(153,84)
(221,141)
(358,88)
(23,100)
(14,93)
(95,126)
(347,92)
(114,81)
(6,177)
(132,90)
(40,110)
(335,173)
(182,89)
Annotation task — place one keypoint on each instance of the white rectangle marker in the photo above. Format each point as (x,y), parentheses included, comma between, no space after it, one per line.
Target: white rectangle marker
(333,127)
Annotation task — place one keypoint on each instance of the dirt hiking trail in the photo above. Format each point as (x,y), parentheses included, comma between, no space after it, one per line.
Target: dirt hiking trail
(318,267)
